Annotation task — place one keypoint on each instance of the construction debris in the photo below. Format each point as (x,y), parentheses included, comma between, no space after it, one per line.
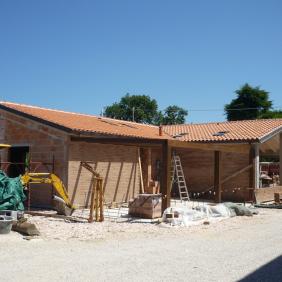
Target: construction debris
(204,214)
(26,228)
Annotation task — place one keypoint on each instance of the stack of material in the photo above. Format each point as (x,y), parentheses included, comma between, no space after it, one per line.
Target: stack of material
(146,206)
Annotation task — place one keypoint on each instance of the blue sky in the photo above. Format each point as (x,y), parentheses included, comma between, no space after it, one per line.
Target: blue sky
(83,55)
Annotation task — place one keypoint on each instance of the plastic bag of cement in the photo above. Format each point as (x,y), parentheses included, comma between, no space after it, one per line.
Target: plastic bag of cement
(240,210)
(183,216)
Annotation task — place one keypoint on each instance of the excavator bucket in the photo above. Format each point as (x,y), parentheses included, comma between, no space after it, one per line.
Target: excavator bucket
(61,207)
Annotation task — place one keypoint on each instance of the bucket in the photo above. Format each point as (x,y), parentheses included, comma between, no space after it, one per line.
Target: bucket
(5,224)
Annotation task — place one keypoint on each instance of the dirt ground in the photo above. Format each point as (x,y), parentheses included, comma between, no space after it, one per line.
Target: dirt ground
(239,248)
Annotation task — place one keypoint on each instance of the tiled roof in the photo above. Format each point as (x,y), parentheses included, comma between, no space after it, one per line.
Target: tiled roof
(86,124)
(234,131)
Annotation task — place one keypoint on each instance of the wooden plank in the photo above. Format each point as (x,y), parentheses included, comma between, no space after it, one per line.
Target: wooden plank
(232,176)
(149,166)
(217,175)
(92,202)
(97,201)
(256,166)
(235,148)
(252,168)
(130,141)
(165,179)
(101,200)
(140,172)
(236,173)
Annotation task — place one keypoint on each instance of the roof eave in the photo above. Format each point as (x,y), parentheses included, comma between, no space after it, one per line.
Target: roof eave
(75,132)
(37,119)
(271,134)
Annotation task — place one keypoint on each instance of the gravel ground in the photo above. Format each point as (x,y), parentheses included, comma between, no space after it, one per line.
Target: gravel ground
(228,250)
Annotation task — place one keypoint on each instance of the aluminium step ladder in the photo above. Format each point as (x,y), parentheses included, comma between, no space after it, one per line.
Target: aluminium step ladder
(177,176)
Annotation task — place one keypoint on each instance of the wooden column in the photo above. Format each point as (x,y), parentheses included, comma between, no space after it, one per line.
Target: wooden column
(252,169)
(217,175)
(165,175)
(280,159)
(256,166)
(146,167)
(149,166)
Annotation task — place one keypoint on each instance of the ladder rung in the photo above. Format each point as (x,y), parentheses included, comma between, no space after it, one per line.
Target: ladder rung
(178,177)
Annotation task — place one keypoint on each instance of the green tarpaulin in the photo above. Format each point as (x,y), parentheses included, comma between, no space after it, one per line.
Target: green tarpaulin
(11,193)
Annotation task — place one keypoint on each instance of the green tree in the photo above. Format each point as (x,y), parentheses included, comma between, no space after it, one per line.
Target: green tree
(250,103)
(138,108)
(174,115)
(271,114)
(143,109)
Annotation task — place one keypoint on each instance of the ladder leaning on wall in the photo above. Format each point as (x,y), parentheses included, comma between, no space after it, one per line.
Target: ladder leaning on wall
(177,176)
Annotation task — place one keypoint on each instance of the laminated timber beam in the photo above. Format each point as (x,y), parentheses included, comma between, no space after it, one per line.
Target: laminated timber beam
(139,142)
(217,175)
(235,148)
(166,175)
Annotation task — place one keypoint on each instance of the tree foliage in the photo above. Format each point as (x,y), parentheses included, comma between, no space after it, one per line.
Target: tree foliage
(271,114)
(250,103)
(139,108)
(143,109)
(174,115)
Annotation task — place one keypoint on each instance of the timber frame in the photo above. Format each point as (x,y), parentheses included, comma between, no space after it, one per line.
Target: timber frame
(167,146)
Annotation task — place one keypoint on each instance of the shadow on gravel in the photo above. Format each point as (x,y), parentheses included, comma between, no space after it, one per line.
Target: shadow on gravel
(271,271)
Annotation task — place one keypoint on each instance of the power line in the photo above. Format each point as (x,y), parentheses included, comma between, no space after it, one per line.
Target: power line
(234,109)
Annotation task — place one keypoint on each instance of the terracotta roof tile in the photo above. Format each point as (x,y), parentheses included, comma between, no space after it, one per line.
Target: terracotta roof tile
(235,131)
(82,123)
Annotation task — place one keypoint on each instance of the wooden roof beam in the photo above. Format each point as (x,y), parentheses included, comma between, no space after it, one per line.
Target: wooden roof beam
(233,148)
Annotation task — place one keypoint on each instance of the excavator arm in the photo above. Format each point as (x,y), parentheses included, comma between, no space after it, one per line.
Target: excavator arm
(56,182)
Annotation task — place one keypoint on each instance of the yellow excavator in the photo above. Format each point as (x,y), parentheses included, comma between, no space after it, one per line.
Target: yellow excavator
(62,202)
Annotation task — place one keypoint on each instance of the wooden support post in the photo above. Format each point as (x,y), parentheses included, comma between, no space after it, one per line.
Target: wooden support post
(254,179)
(165,178)
(280,160)
(252,169)
(101,200)
(140,172)
(256,166)
(217,176)
(97,201)
(252,174)
(149,166)
(92,202)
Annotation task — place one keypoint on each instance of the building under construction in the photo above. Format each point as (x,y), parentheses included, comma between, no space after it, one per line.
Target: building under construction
(220,161)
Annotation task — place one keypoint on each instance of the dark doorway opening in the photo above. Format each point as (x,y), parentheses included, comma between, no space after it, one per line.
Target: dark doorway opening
(18,158)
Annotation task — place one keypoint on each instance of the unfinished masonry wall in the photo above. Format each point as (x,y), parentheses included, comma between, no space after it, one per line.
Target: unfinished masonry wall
(44,142)
(198,166)
(117,164)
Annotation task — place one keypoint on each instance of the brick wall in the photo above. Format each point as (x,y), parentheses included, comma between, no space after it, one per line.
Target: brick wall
(117,164)
(44,143)
(198,166)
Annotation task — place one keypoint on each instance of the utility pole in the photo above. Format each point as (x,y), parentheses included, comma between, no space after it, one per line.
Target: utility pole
(133,109)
